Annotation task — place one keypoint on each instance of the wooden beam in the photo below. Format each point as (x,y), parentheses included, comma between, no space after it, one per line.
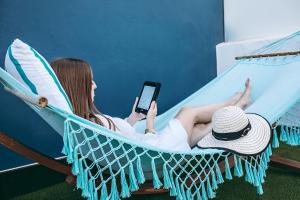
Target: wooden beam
(39,101)
(147,188)
(289,164)
(32,154)
(290,53)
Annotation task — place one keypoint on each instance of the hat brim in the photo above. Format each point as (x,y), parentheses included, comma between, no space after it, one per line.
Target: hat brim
(253,143)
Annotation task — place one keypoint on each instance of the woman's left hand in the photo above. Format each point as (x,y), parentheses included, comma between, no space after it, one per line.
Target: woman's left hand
(135,116)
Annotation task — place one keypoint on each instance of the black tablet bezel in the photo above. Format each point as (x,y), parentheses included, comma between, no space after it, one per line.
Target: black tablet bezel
(154,97)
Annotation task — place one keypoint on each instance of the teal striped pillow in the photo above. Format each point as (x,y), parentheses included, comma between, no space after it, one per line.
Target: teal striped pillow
(30,68)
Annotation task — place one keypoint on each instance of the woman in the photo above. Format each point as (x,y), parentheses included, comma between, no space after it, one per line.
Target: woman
(181,133)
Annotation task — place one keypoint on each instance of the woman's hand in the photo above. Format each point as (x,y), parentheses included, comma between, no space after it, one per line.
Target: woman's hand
(151,115)
(134,116)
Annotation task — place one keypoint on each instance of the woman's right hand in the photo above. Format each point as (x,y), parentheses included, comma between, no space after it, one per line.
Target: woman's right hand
(152,112)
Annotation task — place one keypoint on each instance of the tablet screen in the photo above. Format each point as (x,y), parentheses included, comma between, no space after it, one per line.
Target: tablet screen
(146,97)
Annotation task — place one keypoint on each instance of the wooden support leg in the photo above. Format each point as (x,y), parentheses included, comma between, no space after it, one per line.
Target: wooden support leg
(277,160)
(32,154)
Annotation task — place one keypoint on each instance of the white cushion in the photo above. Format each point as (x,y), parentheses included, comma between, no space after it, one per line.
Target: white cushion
(30,68)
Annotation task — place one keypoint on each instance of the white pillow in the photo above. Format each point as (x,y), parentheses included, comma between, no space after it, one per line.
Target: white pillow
(30,68)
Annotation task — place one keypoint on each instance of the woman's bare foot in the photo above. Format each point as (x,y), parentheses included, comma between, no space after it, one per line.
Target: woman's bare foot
(245,100)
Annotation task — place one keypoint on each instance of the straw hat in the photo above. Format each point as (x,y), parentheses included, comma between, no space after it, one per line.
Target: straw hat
(235,131)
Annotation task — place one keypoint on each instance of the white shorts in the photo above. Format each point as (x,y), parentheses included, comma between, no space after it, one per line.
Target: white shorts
(173,137)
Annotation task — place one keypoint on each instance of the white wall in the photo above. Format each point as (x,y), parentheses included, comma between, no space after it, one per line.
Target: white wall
(253,19)
(251,24)
(227,51)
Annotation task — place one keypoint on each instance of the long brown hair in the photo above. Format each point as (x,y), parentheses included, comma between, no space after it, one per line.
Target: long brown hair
(76,78)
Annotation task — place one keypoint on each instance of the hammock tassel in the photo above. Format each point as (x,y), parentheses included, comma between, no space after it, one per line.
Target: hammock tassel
(156,182)
(114,194)
(283,136)
(104,194)
(183,195)
(240,166)
(167,182)
(263,160)
(255,176)
(68,141)
(214,181)
(75,169)
(140,174)
(261,174)
(70,149)
(91,189)
(210,193)
(237,168)
(173,187)
(219,174)
(204,196)
(84,181)
(65,149)
(288,135)
(189,194)
(227,170)
(259,189)
(133,182)
(269,149)
(95,195)
(275,142)
(198,194)
(125,190)
(298,135)
(179,196)
(80,174)
(293,137)
(249,176)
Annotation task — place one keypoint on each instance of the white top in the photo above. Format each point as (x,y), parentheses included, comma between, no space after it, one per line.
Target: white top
(173,137)
(124,128)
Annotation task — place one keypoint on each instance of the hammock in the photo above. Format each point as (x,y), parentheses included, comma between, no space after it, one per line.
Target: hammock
(102,159)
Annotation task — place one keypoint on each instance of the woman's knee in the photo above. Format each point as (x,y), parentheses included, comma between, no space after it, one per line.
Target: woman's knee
(200,126)
(184,110)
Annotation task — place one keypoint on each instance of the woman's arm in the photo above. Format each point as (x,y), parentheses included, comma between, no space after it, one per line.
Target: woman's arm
(151,118)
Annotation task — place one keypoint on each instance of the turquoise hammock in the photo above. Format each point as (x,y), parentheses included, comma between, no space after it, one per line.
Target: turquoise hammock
(102,159)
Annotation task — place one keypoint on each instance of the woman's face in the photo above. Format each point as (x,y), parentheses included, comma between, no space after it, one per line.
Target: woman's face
(94,86)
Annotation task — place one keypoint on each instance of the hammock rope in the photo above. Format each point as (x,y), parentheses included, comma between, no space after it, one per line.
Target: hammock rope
(187,176)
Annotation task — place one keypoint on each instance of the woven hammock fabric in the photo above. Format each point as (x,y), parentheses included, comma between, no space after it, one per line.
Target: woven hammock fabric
(102,159)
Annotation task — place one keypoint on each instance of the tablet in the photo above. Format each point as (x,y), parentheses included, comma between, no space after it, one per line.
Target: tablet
(148,94)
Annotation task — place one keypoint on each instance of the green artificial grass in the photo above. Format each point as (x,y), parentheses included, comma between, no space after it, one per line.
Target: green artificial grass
(279,184)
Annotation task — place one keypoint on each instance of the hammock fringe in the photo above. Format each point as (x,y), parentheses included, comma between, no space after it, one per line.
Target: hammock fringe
(255,168)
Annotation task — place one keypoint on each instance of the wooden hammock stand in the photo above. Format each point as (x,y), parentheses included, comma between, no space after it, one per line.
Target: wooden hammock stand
(289,53)
(147,187)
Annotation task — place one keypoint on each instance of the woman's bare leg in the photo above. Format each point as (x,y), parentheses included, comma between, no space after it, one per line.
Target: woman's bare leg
(201,130)
(198,132)
(204,113)
(245,100)
(201,116)
(189,116)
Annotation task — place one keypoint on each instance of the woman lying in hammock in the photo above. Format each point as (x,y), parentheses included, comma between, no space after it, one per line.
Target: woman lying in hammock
(183,132)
